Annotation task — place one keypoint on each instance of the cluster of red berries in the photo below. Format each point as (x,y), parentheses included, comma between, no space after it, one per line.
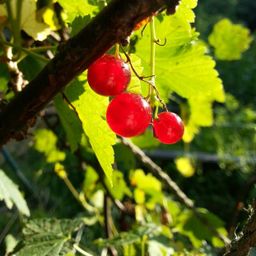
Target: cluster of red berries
(129,114)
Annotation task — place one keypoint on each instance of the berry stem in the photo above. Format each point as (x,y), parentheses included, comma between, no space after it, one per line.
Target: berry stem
(152,50)
(152,83)
(117,55)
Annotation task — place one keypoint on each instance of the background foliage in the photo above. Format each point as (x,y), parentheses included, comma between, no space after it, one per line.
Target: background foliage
(73,188)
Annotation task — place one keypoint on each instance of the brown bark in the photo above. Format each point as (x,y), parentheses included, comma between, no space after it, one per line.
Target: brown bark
(110,26)
(242,243)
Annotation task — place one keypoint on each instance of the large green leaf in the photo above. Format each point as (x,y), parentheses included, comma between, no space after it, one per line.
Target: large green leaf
(182,65)
(229,40)
(48,237)
(11,195)
(91,109)
(197,231)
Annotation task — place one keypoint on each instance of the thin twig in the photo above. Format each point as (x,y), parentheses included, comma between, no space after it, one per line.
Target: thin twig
(108,222)
(8,226)
(81,251)
(12,163)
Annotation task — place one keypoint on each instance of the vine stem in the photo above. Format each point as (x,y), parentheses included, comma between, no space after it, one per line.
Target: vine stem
(153,42)
(62,174)
(143,245)
(152,52)
(80,250)
(31,51)
(80,199)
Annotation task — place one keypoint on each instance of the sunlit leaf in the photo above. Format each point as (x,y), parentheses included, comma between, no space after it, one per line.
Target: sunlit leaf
(147,183)
(182,65)
(91,109)
(29,22)
(76,8)
(155,248)
(197,231)
(229,40)
(139,196)
(184,166)
(120,188)
(45,142)
(10,243)
(10,194)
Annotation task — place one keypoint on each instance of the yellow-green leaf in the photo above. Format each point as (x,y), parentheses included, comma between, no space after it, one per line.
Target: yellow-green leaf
(185,166)
(11,195)
(91,109)
(76,8)
(229,40)
(29,22)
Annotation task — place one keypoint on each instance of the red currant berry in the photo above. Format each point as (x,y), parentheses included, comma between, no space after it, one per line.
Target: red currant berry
(128,114)
(108,75)
(168,128)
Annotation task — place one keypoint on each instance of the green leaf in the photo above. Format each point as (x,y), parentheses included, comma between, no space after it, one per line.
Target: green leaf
(229,40)
(11,195)
(35,66)
(48,237)
(4,77)
(78,23)
(119,188)
(10,243)
(29,22)
(134,235)
(147,183)
(155,248)
(135,83)
(91,109)
(182,66)
(184,11)
(70,122)
(90,181)
(190,226)
(185,166)
(76,8)
(146,140)
(46,142)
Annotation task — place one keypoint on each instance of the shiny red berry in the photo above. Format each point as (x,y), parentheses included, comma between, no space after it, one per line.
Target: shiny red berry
(108,75)
(168,128)
(128,114)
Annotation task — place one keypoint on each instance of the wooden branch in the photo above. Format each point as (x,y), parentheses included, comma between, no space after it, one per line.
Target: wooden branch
(242,243)
(112,25)
(240,204)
